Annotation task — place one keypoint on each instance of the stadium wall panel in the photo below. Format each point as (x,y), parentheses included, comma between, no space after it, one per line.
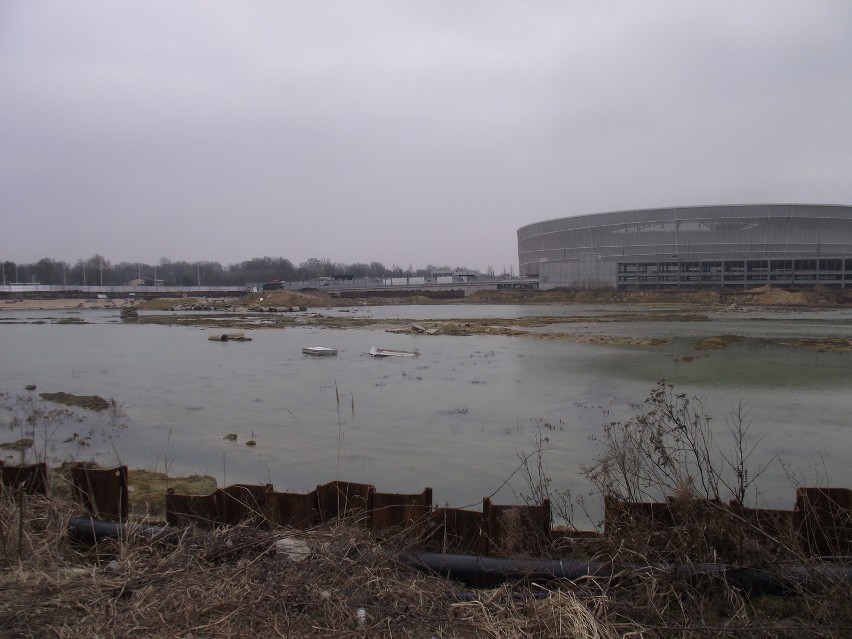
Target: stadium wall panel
(737,245)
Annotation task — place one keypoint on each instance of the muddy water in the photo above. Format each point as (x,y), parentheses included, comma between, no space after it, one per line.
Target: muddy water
(455,418)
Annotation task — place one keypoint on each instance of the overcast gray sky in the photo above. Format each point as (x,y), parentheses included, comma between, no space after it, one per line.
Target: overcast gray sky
(403,132)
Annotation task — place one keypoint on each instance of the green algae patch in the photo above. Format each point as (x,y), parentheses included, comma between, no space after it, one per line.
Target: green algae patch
(19,445)
(718,342)
(92,402)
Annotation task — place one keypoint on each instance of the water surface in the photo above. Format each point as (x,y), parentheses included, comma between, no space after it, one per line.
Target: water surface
(455,418)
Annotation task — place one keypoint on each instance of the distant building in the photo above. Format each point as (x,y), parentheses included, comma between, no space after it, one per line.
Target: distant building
(465,276)
(447,277)
(144,281)
(720,246)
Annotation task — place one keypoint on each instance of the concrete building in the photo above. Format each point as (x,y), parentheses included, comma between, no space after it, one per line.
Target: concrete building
(720,246)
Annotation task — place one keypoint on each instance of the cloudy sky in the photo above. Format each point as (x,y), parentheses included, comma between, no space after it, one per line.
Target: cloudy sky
(403,132)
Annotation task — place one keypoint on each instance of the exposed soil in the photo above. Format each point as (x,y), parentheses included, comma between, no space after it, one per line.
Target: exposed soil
(763,296)
(717,342)
(716,298)
(839,345)
(282,309)
(35,304)
(274,309)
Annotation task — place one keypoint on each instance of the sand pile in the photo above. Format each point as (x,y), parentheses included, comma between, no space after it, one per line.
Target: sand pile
(776,296)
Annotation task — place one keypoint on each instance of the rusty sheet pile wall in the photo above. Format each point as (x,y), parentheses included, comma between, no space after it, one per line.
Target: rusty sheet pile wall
(821,519)
(820,522)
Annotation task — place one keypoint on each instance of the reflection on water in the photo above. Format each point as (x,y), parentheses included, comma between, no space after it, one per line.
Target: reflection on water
(454,418)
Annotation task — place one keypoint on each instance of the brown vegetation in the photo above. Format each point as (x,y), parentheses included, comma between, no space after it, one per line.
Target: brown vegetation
(674,509)
(674,500)
(231,582)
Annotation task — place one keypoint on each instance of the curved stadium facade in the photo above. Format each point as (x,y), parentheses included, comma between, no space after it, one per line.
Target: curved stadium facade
(787,245)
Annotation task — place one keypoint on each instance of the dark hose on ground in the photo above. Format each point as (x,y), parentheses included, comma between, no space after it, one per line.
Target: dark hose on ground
(488,572)
(90,531)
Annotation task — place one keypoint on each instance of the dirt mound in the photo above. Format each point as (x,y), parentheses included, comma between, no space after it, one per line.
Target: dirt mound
(765,295)
(769,295)
(566,296)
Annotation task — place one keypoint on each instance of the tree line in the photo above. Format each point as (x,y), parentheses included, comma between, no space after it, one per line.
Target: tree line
(97,271)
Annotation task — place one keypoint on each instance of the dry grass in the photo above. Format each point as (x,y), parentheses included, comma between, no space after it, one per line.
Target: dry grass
(230,583)
(667,487)
(674,596)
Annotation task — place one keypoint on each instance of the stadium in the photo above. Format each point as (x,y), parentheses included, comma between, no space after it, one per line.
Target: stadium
(785,245)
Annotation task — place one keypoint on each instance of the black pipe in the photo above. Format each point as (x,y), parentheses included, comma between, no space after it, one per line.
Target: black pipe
(90,531)
(488,572)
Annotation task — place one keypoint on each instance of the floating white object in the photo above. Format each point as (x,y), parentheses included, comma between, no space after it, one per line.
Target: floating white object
(319,351)
(384,352)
